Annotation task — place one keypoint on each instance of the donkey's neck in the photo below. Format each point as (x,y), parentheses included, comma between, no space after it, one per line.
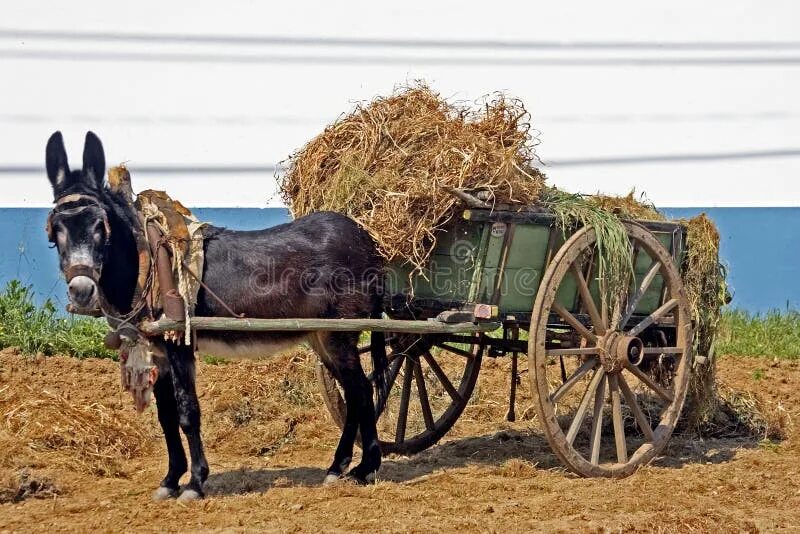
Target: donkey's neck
(121,264)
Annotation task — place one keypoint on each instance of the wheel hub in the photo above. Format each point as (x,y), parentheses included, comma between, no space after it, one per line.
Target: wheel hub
(618,350)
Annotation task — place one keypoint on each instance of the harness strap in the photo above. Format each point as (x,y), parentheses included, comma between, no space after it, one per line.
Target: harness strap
(69,199)
(82,270)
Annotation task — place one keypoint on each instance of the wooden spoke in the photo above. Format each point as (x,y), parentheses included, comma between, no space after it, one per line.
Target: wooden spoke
(649,382)
(405,395)
(422,393)
(580,414)
(588,351)
(630,400)
(587,366)
(394,370)
(600,326)
(616,417)
(597,422)
(653,317)
(663,350)
(394,367)
(455,350)
(643,287)
(437,370)
(574,322)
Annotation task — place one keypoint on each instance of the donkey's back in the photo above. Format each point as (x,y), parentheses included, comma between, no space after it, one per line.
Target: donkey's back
(322,265)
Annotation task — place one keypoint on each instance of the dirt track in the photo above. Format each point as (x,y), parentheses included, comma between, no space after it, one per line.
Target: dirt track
(268,439)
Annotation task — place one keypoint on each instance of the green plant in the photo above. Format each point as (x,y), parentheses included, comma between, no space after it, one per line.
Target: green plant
(213,360)
(775,334)
(42,330)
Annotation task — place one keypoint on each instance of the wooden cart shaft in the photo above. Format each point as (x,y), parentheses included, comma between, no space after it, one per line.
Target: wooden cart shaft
(310,325)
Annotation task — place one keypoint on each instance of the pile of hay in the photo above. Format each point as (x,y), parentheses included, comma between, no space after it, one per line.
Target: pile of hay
(387,163)
(628,207)
(707,291)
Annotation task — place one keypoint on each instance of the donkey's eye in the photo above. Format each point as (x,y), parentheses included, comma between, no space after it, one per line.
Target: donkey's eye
(61,237)
(97,233)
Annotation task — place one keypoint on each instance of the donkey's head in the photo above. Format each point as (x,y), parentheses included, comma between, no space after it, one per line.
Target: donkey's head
(78,224)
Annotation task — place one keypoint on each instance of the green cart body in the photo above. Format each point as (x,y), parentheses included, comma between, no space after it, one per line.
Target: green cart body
(499,257)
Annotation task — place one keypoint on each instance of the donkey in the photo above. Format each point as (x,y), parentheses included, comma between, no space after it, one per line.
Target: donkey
(319,266)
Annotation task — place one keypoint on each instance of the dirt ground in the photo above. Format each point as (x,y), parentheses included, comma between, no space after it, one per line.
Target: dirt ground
(74,456)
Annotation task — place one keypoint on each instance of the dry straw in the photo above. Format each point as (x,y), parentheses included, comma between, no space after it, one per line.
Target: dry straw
(385,165)
(97,437)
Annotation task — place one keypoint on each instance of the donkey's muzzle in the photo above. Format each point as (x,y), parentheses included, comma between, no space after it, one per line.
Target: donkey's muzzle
(82,291)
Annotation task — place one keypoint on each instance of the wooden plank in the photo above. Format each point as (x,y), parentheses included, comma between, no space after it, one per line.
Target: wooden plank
(310,325)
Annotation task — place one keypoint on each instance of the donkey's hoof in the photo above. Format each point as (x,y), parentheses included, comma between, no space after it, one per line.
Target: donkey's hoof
(164,494)
(361,480)
(331,479)
(189,495)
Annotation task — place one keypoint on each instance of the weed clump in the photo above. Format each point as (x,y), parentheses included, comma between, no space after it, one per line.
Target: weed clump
(42,330)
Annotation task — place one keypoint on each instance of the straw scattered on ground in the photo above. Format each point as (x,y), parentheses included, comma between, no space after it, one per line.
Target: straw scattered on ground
(97,437)
(487,474)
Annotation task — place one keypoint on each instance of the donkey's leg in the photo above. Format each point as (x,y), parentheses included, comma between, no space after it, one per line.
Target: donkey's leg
(328,353)
(371,450)
(344,451)
(168,417)
(182,367)
(358,399)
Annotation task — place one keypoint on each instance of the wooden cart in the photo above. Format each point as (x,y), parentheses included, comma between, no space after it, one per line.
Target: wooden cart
(609,384)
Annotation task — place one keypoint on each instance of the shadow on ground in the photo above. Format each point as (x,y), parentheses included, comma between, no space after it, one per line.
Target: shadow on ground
(488,450)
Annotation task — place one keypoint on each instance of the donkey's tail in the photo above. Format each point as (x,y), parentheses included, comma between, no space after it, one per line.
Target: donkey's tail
(380,363)
(380,368)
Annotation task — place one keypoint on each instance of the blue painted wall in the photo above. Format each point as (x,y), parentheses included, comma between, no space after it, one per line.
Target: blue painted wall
(760,245)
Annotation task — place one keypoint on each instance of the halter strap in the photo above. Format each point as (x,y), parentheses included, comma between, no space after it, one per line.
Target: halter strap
(76,197)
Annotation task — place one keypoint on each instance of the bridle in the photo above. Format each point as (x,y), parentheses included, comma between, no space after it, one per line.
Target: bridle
(145,279)
(87,202)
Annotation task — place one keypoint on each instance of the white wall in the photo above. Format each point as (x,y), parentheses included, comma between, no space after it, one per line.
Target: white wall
(690,125)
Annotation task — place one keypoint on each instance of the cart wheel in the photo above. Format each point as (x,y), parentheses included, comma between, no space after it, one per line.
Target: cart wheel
(623,369)
(443,374)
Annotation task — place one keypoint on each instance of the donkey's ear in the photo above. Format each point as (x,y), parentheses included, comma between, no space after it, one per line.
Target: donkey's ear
(56,161)
(94,159)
